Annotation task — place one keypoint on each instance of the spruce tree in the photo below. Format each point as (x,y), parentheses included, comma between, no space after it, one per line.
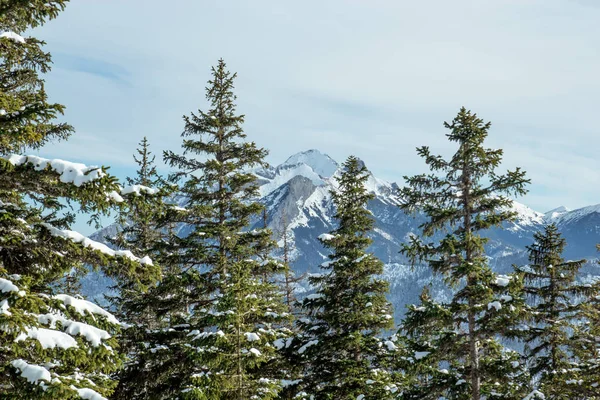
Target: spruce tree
(233,308)
(138,227)
(141,229)
(428,334)
(460,198)
(558,303)
(339,345)
(52,345)
(587,349)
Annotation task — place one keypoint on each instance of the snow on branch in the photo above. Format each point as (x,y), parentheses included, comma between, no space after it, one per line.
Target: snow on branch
(326,237)
(93,335)
(502,280)
(88,394)
(87,242)
(12,36)
(48,338)
(7,286)
(75,173)
(81,306)
(138,189)
(33,373)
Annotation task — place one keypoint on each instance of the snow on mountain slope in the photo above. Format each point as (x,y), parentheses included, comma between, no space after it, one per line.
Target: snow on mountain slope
(575,215)
(311,164)
(526,217)
(284,173)
(556,212)
(321,163)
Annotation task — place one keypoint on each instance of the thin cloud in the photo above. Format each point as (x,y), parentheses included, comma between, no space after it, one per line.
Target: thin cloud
(375,79)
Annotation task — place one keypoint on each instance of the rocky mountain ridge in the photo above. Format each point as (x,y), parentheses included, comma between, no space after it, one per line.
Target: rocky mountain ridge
(297,197)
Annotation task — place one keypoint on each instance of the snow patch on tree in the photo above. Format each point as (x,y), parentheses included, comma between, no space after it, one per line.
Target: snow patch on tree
(13,36)
(87,242)
(33,373)
(70,172)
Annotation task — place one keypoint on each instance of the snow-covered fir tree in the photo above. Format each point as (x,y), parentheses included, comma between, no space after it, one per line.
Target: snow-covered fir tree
(461,197)
(554,332)
(339,345)
(52,345)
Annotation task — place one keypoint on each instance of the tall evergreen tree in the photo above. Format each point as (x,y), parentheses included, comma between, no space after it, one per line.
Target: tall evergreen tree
(228,307)
(588,342)
(462,197)
(429,335)
(141,229)
(558,302)
(138,227)
(52,345)
(339,346)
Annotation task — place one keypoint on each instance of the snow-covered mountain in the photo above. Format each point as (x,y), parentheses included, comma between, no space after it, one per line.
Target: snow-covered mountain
(297,196)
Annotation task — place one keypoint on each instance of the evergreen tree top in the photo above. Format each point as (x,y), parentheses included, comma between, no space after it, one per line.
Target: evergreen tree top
(217,137)
(146,174)
(462,195)
(351,200)
(349,311)
(546,261)
(27,119)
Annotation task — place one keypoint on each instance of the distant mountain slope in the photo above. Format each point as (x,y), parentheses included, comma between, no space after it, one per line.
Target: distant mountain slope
(297,197)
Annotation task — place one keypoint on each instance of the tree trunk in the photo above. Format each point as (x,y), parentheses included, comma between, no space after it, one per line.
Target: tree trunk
(473,339)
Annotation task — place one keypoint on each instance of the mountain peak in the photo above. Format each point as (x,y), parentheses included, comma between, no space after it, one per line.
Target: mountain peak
(556,212)
(559,209)
(321,163)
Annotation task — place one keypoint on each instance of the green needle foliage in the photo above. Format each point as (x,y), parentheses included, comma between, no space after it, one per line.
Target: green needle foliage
(139,229)
(339,345)
(219,308)
(462,197)
(52,345)
(558,303)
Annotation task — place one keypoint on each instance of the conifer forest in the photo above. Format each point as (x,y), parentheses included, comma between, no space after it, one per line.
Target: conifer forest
(210,280)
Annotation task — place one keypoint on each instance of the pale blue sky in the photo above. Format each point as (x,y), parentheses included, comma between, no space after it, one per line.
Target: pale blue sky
(373,78)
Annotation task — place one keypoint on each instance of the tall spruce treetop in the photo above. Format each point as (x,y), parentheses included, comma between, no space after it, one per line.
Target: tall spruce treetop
(339,343)
(139,221)
(558,303)
(462,197)
(53,345)
(235,309)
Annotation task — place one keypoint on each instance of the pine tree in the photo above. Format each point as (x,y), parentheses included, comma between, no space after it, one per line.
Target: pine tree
(52,345)
(558,302)
(232,308)
(462,197)
(339,346)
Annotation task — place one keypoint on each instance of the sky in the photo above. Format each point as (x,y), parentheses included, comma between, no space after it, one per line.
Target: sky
(373,78)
